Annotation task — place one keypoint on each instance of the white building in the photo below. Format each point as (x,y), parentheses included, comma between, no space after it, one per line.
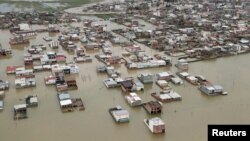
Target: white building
(155,125)
(133,99)
(24,27)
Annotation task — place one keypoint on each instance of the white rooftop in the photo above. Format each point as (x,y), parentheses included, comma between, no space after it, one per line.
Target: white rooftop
(145,74)
(174,95)
(20,80)
(165,96)
(192,78)
(210,88)
(33,100)
(134,97)
(162,74)
(121,113)
(64,96)
(137,98)
(20,106)
(162,82)
(132,94)
(156,121)
(65,102)
(182,61)
(24,26)
(176,79)
(184,74)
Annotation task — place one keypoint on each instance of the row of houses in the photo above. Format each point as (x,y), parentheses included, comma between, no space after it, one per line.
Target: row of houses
(203,84)
(68,104)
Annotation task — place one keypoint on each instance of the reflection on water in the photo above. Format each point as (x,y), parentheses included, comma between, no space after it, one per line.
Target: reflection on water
(185,120)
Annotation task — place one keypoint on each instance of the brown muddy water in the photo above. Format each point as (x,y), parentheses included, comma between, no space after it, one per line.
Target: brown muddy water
(185,120)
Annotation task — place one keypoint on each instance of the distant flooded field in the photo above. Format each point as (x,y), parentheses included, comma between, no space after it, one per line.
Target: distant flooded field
(30,5)
(185,120)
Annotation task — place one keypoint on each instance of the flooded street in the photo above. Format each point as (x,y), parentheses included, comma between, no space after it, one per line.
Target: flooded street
(185,120)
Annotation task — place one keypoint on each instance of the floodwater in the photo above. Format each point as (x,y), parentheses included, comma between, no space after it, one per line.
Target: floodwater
(29,7)
(54,5)
(185,120)
(6,7)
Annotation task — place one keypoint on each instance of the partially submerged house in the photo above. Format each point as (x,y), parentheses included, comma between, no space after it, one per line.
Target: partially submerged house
(145,78)
(110,83)
(163,84)
(167,96)
(19,39)
(155,125)
(183,75)
(163,76)
(71,83)
(24,73)
(133,99)
(101,68)
(28,60)
(112,72)
(20,111)
(53,28)
(176,80)
(50,80)
(66,69)
(31,101)
(145,64)
(54,44)
(127,85)
(62,87)
(65,102)
(119,114)
(138,86)
(212,89)
(192,79)
(182,64)
(153,107)
(25,82)
(60,58)
(4,85)
(202,80)
(79,59)
(92,46)
(5,52)
(12,69)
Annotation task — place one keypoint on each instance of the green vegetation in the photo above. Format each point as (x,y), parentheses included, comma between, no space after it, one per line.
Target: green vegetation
(104,16)
(75,3)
